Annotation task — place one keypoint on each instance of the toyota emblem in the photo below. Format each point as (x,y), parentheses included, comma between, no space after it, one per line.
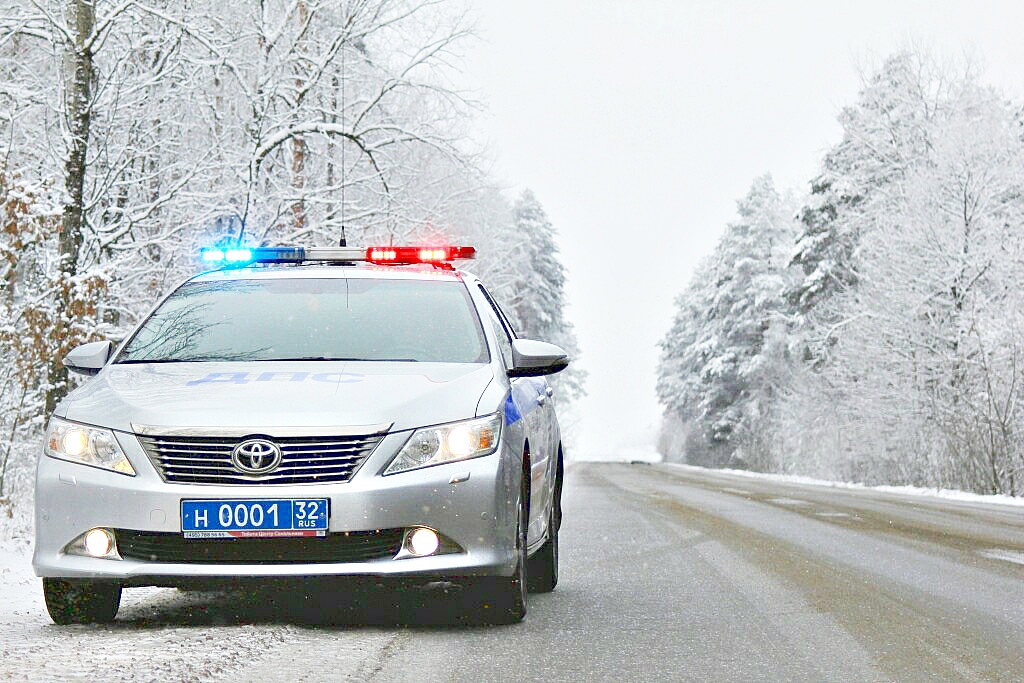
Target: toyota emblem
(256,456)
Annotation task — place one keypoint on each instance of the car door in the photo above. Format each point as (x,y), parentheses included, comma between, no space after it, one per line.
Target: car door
(531,398)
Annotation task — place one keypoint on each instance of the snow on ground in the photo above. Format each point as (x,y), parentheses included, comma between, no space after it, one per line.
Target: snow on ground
(17,583)
(947,494)
(152,640)
(283,633)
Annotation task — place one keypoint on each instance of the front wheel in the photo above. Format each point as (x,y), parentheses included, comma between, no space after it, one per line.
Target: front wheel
(81,602)
(542,568)
(503,598)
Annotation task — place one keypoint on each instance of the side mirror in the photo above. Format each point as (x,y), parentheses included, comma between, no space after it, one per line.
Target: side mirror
(534,358)
(88,359)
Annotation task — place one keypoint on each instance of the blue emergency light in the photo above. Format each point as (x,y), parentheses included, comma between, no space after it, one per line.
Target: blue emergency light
(227,255)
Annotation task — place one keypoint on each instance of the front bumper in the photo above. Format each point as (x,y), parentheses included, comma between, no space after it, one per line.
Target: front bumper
(477,513)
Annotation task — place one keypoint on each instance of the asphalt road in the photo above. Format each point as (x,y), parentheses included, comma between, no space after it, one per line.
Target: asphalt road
(667,574)
(681,575)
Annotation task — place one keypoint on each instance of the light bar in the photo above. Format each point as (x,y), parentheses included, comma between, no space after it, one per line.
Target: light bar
(380,255)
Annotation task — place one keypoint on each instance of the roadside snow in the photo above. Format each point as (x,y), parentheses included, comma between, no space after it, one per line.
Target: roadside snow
(163,634)
(946,494)
(17,585)
(152,639)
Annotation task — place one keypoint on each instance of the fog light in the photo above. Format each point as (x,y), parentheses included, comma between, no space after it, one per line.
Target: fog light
(424,542)
(98,542)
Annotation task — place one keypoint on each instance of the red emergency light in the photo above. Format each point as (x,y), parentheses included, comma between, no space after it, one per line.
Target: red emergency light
(406,255)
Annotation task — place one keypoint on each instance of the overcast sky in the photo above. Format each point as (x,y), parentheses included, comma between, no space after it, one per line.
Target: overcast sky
(639,123)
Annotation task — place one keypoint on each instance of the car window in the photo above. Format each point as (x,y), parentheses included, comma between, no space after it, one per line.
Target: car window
(500,331)
(313,319)
(505,322)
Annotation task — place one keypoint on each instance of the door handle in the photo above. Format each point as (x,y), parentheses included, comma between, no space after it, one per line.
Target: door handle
(549,391)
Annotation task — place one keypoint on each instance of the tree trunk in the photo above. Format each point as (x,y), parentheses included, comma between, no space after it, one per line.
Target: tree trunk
(78,112)
(299,143)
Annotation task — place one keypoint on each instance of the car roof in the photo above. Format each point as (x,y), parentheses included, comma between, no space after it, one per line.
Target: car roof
(323,271)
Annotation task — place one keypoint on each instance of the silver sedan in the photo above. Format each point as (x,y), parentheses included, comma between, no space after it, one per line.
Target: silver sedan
(309,419)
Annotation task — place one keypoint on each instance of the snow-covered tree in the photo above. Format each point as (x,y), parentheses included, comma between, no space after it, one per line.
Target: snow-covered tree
(884,133)
(44,311)
(721,357)
(329,115)
(519,260)
(172,125)
(917,339)
(538,300)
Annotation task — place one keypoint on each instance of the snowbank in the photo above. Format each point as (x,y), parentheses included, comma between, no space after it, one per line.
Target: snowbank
(946,494)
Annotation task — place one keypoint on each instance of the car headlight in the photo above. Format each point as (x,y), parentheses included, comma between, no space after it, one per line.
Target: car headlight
(86,445)
(448,443)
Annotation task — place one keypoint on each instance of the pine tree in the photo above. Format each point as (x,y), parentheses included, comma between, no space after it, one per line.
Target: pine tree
(518,260)
(717,362)
(538,303)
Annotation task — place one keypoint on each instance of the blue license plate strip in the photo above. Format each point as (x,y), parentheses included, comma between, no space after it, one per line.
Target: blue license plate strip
(255,518)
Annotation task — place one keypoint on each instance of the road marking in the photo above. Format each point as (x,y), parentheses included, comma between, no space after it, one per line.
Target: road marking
(739,492)
(832,514)
(788,501)
(1014,556)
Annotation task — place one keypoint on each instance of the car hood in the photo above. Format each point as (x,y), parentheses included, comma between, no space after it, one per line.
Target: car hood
(283,394)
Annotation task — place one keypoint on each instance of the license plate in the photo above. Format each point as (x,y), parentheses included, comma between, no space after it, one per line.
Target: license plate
(254,518)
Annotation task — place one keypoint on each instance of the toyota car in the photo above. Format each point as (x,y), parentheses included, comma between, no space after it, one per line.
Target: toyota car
(301,412)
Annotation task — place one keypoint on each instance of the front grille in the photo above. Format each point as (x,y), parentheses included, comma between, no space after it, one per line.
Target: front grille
(354,546)
(304,460)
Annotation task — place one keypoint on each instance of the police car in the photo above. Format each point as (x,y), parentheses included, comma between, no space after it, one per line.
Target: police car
(306,412)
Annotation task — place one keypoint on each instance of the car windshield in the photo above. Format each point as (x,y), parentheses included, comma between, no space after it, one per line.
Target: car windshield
(312,319)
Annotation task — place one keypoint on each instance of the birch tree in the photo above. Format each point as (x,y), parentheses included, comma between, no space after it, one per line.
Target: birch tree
(339,106)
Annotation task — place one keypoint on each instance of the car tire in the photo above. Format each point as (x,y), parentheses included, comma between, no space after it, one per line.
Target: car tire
(542,568)
(81,602)
(502,599)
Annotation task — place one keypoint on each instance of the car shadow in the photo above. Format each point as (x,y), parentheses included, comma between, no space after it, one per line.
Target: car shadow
(343,605)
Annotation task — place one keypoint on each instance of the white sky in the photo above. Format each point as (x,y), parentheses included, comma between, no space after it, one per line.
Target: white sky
(639,123)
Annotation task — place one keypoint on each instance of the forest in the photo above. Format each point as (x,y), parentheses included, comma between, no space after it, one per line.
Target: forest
(870,329)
